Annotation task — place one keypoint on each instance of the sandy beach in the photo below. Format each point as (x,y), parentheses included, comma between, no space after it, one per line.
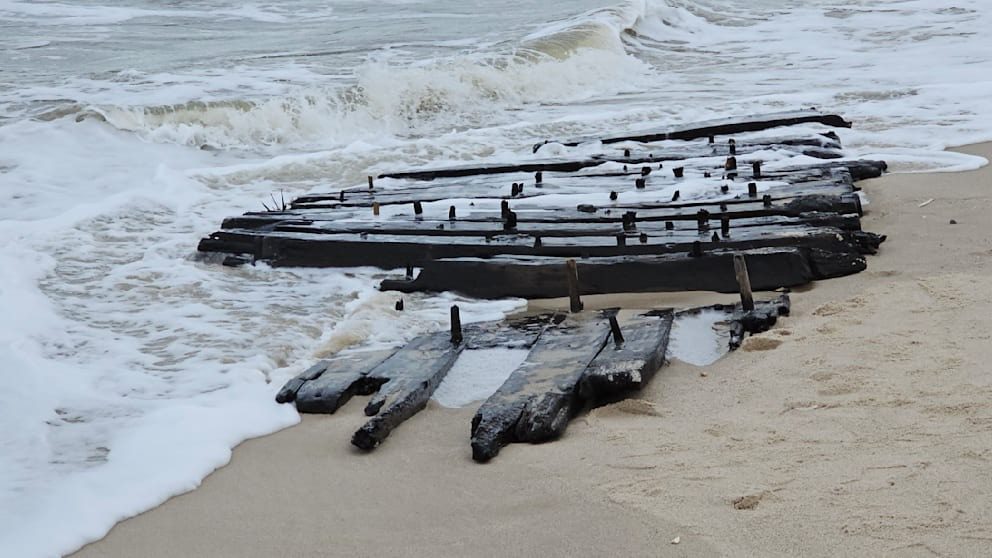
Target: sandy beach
(859,426)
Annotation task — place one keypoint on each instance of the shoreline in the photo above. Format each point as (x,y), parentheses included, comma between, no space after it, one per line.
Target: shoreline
(859,425)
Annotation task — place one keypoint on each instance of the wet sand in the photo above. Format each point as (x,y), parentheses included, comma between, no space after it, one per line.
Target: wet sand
(860,426)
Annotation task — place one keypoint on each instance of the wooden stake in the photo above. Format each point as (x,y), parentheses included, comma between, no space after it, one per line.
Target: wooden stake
(640,183)
(744,281)
(418,209)
(375,208)
(399,305)
(451,213)
(679,172)
(572,276)
(756,167)
(538,177)
(456,326)
(752,190)
(370,183)
(615,329)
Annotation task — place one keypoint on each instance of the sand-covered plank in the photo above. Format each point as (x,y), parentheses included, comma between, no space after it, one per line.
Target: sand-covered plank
(621,368)
(407,380)
(538,399)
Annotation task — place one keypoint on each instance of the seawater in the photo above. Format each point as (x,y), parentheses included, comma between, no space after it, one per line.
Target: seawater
(128,130)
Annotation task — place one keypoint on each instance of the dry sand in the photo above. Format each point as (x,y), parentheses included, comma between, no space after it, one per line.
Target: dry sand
(861,426)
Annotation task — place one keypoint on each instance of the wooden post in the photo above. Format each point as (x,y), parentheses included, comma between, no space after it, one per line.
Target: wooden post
(744,281)
(675,196)
(640,183)
(375,208)
(752,190)
(645,171)
(756,167)
(731,164)
(456,325)
(399,305)
(613,196)
(370,183)
(679,172)
(451,213)
(538,177)
(572,276)
(733,146)
(418,209)
(615,329)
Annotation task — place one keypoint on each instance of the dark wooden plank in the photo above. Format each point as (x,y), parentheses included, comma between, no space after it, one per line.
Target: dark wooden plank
(538,399)
(817,146)
(502,277)
(718,127)
(408,379)
(306,250)
(628,366)
(328,385)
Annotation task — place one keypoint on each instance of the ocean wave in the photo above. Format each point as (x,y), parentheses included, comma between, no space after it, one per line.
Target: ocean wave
(572,60)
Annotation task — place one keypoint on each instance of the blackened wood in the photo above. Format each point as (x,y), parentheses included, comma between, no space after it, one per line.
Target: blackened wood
(339,379)
(622,368)
(743,282)
(409,378)
(572,280)
(541,277)
(288,249)
(723,126)
(538,399)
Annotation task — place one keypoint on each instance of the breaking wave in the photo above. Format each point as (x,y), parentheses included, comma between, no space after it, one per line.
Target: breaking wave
(571,60)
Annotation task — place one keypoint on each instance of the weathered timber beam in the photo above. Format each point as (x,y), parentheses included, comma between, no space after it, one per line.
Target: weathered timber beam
(621,368)
(815,146)
(408,379)
(542,278)
(328,385)
(719,127)
(538,399)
